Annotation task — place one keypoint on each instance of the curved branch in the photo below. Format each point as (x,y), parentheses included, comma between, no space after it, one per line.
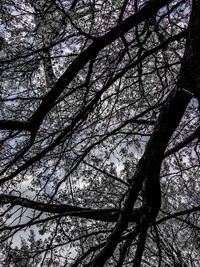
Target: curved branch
(98,44)
(37,118)
(169,118)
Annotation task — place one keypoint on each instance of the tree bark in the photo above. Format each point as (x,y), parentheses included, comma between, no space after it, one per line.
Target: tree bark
(148,168)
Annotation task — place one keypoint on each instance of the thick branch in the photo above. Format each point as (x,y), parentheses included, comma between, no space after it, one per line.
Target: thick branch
(101,42)
(78,119)
(148,168)
(144,225)
(184,143)
(125,246)
(108,215)
(30,125)
(15,125)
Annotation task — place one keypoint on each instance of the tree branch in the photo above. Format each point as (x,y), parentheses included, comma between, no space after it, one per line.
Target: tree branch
(101,42)
(184,143)
(31,125)
(15,125)
(107,215)
(180,213)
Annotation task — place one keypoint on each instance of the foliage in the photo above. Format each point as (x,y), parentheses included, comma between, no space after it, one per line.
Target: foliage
(99,133)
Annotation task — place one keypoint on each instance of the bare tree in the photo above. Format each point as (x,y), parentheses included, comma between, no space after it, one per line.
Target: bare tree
(99,133)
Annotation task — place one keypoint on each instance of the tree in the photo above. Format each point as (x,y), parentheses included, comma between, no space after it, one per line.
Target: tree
(100,133)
